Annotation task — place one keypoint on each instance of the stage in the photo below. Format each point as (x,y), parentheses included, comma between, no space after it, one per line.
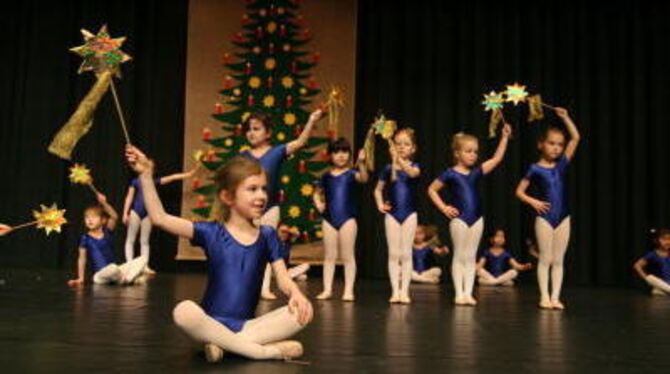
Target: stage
(47,327)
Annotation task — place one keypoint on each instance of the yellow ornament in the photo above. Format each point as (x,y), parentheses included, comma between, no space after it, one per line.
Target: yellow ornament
(303,91)
(269,101)
(319,234)
(245,115)
(197,155)
(287,47)
(294,211)
(254,82)
(307,190)
(272,27)
(50,219)
(281,136)
(289,118)
(270,63)
(80,174)
(228,143)
(245,147)
(257,50)
(285,179)
(287,82)
(237,92)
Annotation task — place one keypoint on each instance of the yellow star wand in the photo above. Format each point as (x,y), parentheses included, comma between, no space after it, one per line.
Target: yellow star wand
(79,174)
(48,218)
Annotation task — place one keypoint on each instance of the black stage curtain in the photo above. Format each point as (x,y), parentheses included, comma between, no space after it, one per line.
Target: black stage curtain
(40,89)
(427,64)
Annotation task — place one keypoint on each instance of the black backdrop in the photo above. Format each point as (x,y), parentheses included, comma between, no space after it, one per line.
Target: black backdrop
(427,64)
(40,88)
(424,63)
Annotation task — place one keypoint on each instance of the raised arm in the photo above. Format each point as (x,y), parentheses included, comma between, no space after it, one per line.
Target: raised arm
(297,303)
(145,168)
(639,267)
(179,176)
(434,193)
(490,164)
(295,145)
(113,216)
(540,207)
(571,147)
(362,176)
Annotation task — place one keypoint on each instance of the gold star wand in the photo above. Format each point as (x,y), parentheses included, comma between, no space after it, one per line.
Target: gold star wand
(48,218)
(103,56)
(80,174)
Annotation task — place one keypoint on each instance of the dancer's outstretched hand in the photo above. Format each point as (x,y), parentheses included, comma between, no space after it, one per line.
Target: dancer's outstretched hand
(4,229)
(75,282)
(138,161)
(299,304)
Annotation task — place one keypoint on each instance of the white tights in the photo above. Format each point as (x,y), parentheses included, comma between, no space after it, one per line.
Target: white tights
(121,274)
(135,225)
(487,279)
(431,275)
(552,244)
(466,242)
(399,238)
(344,242)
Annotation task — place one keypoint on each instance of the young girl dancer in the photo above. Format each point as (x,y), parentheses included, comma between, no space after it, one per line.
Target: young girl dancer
(552,224)
(402,178)
(465,208)
(135,216)
(339,215)
(259,135)
(237,252)
(286,237)
(426,246)
(496,266)
(97,245)
(654,267)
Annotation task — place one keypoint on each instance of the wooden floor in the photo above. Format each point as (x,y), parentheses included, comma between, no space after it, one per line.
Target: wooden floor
(46,327)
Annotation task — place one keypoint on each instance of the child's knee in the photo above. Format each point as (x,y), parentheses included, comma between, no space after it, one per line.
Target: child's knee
(186,313)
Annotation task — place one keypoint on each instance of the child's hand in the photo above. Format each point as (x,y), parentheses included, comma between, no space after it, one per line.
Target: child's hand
(384,207)
(451,212)
(361,156)
(320,206)
(442,251)
(316,115)
(300,305)
(507,131)
(527,266)
(561,112)
(138,161)
(75,282)
(102,199)
(126,219)
(540,206)
(4,229)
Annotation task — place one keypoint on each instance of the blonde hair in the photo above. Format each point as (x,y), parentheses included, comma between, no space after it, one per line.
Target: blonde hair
(457,142)
(227,178)
(432,239)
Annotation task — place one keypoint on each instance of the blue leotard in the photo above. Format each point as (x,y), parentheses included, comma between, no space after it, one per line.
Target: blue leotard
(464,192)
(100,251)
(235,271)
(271,162)
(340,197)
(138,200)
(497,265)
(550,186)
(402,192)
(422,259)
(658,265)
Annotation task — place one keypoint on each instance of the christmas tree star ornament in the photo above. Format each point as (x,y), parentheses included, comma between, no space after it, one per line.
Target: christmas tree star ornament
(516,93)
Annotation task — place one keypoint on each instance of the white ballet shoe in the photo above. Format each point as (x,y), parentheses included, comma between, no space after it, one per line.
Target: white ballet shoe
(348,297)
(288,349)
(325,295)
(460,301)
(657,292)
(394,299)
(509,283)
(213,353)
(557,305)
(149,271)
(471,301)
(404,299)
(545,304)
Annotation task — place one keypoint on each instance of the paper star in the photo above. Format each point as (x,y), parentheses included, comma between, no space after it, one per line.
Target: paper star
(50,218)
(516,93)
(493,101)
(101,52)
(80,174)
(384,127)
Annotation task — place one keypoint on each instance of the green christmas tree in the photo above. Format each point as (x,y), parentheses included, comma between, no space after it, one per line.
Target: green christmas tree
(270,75)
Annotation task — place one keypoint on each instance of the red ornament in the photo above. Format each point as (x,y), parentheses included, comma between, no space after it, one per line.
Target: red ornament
(272,9)
(289,101)
(306,34)
(201,202)
(245,19)
(282,196)
(311,84)
(312,215)
(302,166)
(239,37)
(325,156)
(250,100)
(218,108)
(196,184)
(297,130)
(259,32)
(331,134)
(227,58)
(282,30)
(294,67)
(300,20)
(238,130)
(227,81)
(305,236)
(270,82)
(206,134)
(316,56)
(271,48)
(247,68)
